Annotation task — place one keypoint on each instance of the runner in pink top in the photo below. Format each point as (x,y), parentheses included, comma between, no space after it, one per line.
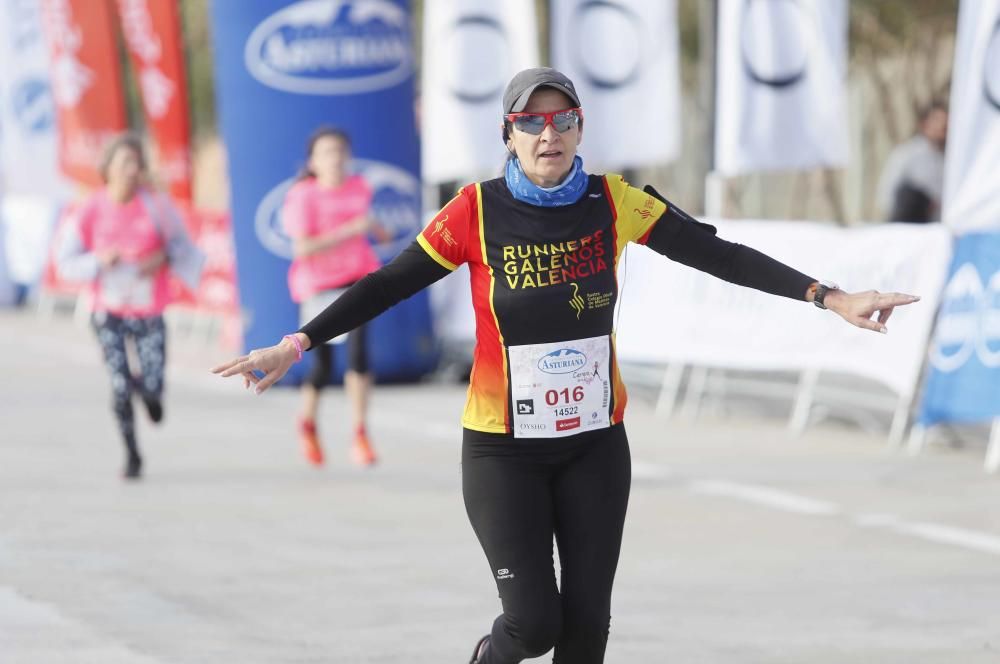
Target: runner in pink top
(119,241)
(327,215)
(314,211)
(134,282)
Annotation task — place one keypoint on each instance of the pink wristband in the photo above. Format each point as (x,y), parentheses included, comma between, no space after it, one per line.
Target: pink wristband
(297,343)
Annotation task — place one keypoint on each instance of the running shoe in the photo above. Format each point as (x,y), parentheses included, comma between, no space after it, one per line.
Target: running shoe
(361,450)
(153,403)
(311,447)
(133,468)
(154,407)
(480,648)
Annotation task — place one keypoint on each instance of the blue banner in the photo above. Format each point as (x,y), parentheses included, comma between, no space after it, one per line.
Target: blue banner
(963,383)
(283,68)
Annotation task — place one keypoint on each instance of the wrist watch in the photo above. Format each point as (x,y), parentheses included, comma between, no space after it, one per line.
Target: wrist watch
(822,288)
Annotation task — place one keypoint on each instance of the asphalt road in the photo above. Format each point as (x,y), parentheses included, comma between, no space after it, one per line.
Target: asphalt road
(742,545)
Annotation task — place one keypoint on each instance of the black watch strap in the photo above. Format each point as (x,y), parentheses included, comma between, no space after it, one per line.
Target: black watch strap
(822,288)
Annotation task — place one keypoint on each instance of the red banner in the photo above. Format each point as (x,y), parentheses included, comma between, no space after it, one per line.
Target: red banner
(86,82)
(152,30)
(216,292)
(216,295)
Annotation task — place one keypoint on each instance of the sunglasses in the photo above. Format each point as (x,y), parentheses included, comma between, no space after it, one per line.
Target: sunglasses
(535,123)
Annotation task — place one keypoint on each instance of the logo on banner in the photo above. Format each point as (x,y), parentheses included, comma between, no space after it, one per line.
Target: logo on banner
(140,34)
(157,92)
(395,207)
(70,78)
(562,361)
(137,26)
(595,20)
(774,42)
(991,68)
(969,322)
(32,103)
(478,48)
(331,47)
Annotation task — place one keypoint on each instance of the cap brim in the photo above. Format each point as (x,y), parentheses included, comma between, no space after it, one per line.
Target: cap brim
(522,101)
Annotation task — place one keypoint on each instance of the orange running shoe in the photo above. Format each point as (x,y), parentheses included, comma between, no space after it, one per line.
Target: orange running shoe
(361,451)
(311,448)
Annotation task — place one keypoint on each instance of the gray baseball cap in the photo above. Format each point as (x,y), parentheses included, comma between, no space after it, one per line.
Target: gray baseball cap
(515,97)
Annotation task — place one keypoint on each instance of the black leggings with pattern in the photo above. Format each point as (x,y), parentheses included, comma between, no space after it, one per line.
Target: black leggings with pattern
(149,335)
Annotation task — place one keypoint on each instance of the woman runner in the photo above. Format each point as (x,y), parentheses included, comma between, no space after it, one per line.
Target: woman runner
(544,449)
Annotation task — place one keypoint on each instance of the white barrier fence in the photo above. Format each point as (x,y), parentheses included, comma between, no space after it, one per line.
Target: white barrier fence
(673,315)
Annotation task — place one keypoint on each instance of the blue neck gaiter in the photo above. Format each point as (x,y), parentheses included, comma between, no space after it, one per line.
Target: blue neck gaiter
(566,193)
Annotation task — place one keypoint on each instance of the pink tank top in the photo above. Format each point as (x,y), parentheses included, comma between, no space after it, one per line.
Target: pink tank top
(129,229)
(310,211)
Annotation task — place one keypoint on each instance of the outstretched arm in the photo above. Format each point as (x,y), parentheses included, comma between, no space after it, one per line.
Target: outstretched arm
(410,272)
(679,237)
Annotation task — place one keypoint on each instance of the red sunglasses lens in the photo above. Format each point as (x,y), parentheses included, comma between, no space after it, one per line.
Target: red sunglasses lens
(534,123)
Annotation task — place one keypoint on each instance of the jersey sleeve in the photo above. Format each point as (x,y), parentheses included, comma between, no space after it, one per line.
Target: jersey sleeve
(295,215)
(82,218)
(446,238)
(636,212)
(74,257)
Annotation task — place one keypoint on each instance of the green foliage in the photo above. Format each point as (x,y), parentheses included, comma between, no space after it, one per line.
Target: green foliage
(200,66)
(888,28)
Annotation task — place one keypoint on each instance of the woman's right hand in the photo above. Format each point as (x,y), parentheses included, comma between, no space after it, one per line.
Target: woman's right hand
(273,362)
(108,259)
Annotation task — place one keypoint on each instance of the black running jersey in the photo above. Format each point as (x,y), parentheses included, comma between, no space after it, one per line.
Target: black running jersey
(541,275)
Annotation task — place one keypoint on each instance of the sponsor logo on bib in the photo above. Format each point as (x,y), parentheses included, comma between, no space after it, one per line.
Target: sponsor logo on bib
(561,361)
(565,425)
(529,426)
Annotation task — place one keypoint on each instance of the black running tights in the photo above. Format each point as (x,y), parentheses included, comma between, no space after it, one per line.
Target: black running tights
(518,494)
(357,358)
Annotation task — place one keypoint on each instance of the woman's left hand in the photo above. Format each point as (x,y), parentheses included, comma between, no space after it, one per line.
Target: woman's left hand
(858,308)
(273,362)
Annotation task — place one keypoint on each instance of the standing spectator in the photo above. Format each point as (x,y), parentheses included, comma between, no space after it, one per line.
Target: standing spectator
(121,241)
(913,178)
(327,215)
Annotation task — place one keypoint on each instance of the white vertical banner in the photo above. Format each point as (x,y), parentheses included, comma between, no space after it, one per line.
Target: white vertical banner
(622,56)
(972,162)
(471,50)
(781,94)
(29,161)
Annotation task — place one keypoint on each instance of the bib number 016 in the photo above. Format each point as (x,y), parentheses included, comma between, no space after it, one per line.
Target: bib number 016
(552,397)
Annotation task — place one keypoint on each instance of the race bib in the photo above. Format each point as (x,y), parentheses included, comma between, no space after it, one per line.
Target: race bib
(560,389)
(123,286)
